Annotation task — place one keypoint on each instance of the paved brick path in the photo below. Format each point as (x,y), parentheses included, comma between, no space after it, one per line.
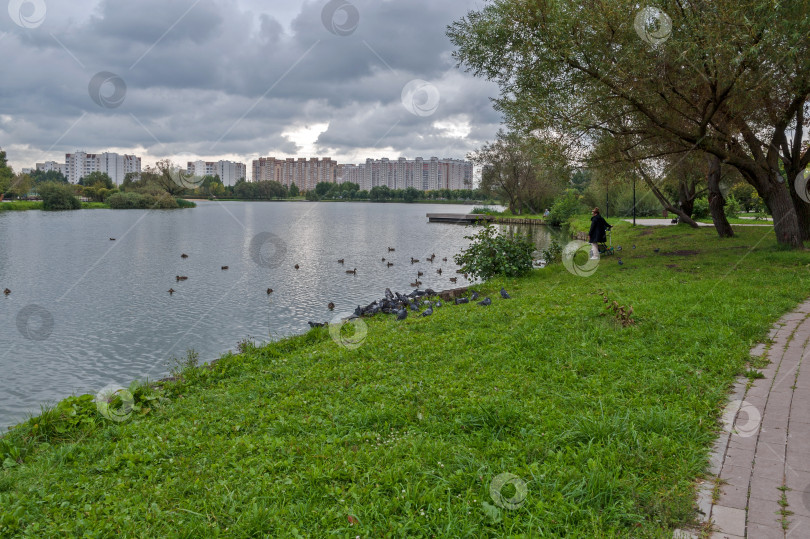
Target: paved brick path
(762,458)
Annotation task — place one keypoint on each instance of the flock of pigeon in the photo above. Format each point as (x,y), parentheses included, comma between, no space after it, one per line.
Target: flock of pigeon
(394,303)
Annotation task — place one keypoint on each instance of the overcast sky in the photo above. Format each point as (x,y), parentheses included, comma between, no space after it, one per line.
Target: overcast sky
(237,79)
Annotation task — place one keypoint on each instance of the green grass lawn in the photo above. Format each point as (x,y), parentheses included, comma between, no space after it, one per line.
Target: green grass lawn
(608,426)
(731,220)
(508,213)
(23,205)
(20,205)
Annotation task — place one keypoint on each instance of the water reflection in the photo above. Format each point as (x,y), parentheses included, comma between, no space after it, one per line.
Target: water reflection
(111,318)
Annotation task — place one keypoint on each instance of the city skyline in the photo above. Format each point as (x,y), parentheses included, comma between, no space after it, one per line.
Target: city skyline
(423,174)
(230,81)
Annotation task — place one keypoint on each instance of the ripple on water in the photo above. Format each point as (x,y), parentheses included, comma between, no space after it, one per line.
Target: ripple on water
(114,320)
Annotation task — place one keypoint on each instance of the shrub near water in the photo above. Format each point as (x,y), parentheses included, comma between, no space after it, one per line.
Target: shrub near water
(57,196)
(132,201)
(491,254)
(564,208)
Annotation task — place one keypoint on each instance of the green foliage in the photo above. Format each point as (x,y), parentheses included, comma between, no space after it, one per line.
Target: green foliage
(570,72)
(553,253)
(744,193)
(132,201)
(294,191)
(183,369)
(609,426)
(621,200)
(521,170)
(312,196)
(6,174)
(564,208)
(183,203)
(701,208)
(490,254)
(58,196)
(323,187)
(20,205)
(41,176)
(379,193)
(261,190)
(580,180)
(485,211)
(411,194)
(97,179)
(732,207)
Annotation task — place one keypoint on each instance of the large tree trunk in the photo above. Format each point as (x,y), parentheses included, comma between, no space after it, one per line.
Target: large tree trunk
(686,196)
(785,219)
(802,207)
(716,201)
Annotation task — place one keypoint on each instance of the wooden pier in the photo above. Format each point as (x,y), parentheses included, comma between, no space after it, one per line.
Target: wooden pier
(471,218)
(468,218)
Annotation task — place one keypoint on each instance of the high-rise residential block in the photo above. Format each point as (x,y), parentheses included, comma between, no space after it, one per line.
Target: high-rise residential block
(229,172)
(48,166)
(80,164)
(425,175)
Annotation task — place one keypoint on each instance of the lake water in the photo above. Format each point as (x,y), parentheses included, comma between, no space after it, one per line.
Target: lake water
(85,312)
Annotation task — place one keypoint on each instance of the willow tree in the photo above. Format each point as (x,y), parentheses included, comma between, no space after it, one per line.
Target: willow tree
(730,78)
(521,170)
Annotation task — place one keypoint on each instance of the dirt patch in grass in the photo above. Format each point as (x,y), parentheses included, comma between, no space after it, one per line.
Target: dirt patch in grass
(682,252)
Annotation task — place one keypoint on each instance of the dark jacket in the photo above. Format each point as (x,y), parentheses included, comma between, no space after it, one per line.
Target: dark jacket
(598,227)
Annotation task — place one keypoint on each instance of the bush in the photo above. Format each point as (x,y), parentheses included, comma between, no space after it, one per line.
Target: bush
(183,203)
(125,201)
(57,196)
(135,201)
(732,207)
(553,253)
(701,208)
(564,208)
(744,193)
(491,254)
(478,210)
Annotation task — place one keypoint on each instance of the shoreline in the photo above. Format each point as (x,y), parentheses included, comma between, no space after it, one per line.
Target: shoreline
(424,413)
(445,295)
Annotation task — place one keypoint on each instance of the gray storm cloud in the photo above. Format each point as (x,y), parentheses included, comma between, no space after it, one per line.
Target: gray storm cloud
(214,77)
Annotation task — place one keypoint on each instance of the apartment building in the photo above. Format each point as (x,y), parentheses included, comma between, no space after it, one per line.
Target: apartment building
(80,164)
(229,172)
(48,166)
(421,174)
(304,173)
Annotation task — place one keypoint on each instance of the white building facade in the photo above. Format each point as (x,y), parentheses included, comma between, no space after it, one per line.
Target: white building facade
(229,172)
(421,174)
(116,166)
(48,166)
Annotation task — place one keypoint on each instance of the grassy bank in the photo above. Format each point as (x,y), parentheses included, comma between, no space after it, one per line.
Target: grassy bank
(731,220)
(608,425)
(23,205)
(20,205)
(508,213)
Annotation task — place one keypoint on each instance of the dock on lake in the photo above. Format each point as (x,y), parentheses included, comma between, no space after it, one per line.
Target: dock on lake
(470,218)
(457,217)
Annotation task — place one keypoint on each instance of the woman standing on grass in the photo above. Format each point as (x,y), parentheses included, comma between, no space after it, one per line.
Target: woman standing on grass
(597,233)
